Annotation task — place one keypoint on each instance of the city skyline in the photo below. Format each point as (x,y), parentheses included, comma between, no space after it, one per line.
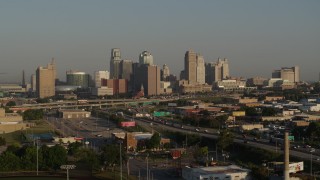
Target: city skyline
(80,35)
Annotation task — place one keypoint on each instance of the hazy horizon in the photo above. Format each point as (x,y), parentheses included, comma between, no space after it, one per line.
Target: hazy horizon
(256,36)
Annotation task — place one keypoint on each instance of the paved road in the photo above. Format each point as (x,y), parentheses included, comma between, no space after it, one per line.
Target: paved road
(262,145)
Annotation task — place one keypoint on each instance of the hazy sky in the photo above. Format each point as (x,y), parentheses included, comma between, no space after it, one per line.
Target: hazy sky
(256,36)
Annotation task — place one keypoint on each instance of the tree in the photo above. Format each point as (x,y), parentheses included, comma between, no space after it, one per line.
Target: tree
(2,141)
(154,141)
(201,152)
(269,111)
(250,111)
(55,156)
(88,156)
(73,148)
(225,139)
(29,157)
(9,162)
(110,155)
(33,114)
(313,130)
(11,103)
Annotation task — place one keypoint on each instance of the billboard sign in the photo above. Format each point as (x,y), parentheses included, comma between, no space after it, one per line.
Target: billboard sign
(293,167)
(128,124)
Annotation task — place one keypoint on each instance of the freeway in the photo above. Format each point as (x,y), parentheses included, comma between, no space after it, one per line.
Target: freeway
(87,103)
(237,139)
(94,130)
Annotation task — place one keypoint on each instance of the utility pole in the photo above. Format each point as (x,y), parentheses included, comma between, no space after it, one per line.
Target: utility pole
(120,162)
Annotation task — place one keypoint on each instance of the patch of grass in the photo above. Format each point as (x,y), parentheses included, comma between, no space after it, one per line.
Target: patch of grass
(40,127)
(19,136)
(113,175)
(14,137)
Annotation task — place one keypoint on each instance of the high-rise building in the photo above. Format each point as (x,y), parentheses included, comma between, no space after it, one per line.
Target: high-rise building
(23,82)
(77,78)
(291,74)
(200,69)
(145,58)
(147,77)
(217,71)
(190,66)
(45,80)
(33,83)
(126,69)
(165,72)
(115,63)
(99,75)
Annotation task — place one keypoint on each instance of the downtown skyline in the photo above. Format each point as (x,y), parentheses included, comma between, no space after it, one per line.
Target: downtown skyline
(256,37)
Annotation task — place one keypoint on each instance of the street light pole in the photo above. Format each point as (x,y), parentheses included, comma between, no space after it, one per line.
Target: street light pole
(120,162)
(311,151)
(147,168)
(37,158)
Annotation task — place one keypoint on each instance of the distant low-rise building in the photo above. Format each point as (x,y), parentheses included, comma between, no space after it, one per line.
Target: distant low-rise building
(231,172)
(71,114)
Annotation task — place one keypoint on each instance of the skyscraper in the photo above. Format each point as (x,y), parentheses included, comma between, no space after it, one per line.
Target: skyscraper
(291,74)
(99,75)
(115,63)
(165,72)
(217,71)
(45,80)
(190,67)
(77,78)
(147,77)
(200,69)
(145,58)
(126,69)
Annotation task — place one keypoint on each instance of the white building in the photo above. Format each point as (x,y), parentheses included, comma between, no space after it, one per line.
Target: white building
(102,91)
(98,75)
(200,70)
(146,58)
(231,172)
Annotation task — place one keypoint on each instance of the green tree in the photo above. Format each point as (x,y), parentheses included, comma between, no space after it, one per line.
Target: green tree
(201,152)
(313,131)
(11,103)
(9,162)
(73,148)
(225,139)
(33,114)
(29,157)
(55,157)
(88,156)
(154,141)
(269,111)
(2,141)
(250,111)
(110,155)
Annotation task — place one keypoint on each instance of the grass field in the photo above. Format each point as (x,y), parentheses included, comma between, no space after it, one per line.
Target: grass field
(16,137)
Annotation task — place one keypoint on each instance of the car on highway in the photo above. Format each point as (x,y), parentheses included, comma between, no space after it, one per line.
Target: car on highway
(99,135)
(197,129)
(206,131)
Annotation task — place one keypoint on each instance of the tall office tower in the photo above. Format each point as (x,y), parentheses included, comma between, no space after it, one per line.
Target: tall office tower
(290,74)
(45,80)
(126,69)
(148,77)
(23,82)
(209,74)
(200,69)
(115,63)
(221,70)
(190,66)
(217,71)
(77,78)
(145,58)
(165,72)
(33,83)
(99,75)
